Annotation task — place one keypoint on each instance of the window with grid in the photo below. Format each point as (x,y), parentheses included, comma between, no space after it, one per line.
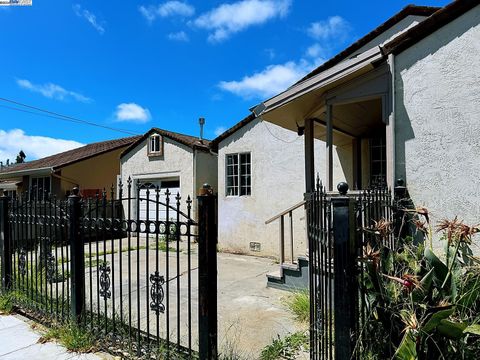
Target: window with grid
(239,174)
(40,188)
(155,145)
(378,161)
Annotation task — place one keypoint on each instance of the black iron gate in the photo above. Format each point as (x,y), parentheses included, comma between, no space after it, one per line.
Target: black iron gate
(124,266)
(341,228)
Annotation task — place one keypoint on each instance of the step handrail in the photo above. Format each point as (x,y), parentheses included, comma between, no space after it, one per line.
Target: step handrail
(281,240)
(285,212)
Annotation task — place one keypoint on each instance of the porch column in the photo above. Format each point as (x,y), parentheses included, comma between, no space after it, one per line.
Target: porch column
(309,156)
(329,143)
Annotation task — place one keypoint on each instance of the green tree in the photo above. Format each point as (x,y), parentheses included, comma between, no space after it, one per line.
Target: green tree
(21,157)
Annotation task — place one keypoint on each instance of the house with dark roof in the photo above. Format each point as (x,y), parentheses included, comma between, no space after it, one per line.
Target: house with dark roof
(403,102)
(92,168)
(168,160)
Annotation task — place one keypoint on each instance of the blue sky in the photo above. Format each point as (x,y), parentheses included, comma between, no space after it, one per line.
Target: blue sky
(140,64)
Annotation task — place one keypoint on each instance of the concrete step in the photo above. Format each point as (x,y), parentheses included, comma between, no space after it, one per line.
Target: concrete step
(291,277)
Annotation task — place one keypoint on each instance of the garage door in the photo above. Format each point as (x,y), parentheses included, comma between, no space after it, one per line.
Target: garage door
(172,185)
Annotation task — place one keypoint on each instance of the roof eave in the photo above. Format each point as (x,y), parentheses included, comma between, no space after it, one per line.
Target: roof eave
(328,76)
(40,171)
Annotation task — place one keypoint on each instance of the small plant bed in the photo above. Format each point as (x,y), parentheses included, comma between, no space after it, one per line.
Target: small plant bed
(299,305)
(429,306)
(6,303)
(72,337)
(287,348)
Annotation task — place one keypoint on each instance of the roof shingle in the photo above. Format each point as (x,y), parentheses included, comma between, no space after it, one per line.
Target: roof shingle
(71,156)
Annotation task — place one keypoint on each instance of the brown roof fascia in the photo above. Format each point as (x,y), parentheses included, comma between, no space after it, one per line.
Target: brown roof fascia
(439,19)
(194,144)
(406,11)
(214,143)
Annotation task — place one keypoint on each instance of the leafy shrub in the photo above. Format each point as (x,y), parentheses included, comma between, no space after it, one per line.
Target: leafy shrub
(429,307)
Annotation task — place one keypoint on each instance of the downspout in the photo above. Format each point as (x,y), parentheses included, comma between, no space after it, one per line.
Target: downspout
(391,62)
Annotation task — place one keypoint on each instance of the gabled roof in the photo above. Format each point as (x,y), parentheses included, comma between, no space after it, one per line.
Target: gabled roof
(63,159)
(187,140)
(409,10)
(439,19)
(214,143)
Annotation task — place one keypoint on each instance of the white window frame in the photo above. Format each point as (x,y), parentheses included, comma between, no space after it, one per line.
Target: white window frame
(153,148)
(238,188)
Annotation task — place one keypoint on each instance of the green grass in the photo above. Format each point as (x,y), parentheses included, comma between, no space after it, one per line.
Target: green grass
(299,304)
(6,303)
(162,246)
(72,336)
(286,348)
(90,262)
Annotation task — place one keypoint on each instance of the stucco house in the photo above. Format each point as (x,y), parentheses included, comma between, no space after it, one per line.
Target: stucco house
(261,175)
(91,168)
(177,162)
(401,102)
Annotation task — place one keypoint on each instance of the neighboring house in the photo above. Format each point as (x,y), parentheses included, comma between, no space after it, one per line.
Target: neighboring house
(92,168)
(402,102)
(169,160)
(260,174)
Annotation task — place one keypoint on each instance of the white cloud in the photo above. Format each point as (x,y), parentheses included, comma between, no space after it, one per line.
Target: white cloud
(277,78)
(89,16)
(131,112)
(227,19)
(317,52)
(220,130)
(335,27)
(178,36)
(35,147)
(166,9)
(52,91)
(271,81)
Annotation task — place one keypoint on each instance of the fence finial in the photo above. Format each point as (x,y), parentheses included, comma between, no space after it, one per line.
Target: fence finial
(342,188)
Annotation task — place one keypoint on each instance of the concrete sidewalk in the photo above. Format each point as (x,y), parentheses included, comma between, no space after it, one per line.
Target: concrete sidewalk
(20,341)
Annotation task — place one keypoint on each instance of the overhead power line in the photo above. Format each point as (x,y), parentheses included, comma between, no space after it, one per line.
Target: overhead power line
(58,116)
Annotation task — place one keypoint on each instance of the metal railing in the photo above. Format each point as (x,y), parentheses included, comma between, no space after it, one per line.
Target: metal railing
(281,242)
(127,276)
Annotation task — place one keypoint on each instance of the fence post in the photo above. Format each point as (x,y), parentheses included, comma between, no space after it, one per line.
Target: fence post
(77,258)
(207,274)
(346,286)
(5,243)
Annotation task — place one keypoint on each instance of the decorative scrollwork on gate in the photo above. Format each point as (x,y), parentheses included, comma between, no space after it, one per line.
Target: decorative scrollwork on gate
(51,268)
(22,262)
(105,281)
(156,293)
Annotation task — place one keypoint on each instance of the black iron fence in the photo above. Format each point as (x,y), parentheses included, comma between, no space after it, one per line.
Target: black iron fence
(125,268)
(342,229)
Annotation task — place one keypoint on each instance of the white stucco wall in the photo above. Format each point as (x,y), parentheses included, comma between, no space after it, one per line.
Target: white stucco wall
(177,161)
(437,119)
(278,182)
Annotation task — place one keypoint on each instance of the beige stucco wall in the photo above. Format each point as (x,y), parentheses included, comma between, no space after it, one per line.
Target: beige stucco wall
(278,182)
(97,172)
(437,119)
